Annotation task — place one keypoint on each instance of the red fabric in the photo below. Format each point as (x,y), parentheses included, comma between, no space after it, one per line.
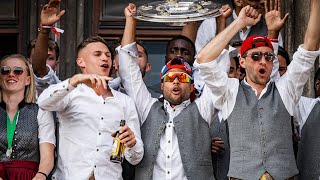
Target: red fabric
(254,42)
(18,170)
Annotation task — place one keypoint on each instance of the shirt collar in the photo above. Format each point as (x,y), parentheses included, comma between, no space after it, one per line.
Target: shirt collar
(255,91)
(3,105)
(183,105)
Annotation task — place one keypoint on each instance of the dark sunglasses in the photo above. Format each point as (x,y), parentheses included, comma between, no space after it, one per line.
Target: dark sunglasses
(257,56)
(5,70)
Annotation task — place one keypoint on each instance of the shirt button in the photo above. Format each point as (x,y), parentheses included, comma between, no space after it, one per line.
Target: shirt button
(169,125)
(168,172)
(99,133)
(104,102)
(168,157)
(169,141)
(170,122)
(101,118)
(95,166)
(97,149)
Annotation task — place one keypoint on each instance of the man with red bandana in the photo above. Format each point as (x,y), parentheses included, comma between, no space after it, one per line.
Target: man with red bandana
(258,109)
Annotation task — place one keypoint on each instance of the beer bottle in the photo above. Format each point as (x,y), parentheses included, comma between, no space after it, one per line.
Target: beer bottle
(117,153)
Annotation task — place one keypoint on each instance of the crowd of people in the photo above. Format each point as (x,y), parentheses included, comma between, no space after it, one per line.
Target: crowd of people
(229,104)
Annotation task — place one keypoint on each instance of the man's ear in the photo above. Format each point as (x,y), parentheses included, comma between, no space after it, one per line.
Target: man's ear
(161,86)
(192,87)
(242,62)
(148,67)
(80,62)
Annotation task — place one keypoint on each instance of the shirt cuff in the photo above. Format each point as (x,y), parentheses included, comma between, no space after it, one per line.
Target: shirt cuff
(310,54)
(130,49)
(66,85)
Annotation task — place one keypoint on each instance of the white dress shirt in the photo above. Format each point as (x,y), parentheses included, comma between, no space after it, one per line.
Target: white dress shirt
(304,108)
(290,85)
(46,127)
(44,82)
(168,163)
(86,123)
(207,31)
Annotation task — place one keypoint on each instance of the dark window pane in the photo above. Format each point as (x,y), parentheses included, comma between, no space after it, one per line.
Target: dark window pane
(7,9)
(113,9)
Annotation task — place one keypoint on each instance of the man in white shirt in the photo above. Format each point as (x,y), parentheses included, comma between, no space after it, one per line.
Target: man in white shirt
(259,110)
(176,131)
(308,116)
(89,112)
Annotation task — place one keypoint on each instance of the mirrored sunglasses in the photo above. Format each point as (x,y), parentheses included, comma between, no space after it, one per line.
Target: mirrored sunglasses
(257,56)
(182,77)
(5,70)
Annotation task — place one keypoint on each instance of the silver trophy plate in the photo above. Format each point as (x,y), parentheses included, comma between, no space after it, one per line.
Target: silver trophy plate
(175,12)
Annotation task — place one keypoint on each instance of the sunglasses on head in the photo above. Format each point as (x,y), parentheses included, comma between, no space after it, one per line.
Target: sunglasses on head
(182,77)
(5,70)
(257,56)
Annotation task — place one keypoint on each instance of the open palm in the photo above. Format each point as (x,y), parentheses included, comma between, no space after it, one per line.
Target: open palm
(273,16)
(49,14)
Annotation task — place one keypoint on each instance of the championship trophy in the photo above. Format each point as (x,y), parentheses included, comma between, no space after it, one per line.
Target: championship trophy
(177,12)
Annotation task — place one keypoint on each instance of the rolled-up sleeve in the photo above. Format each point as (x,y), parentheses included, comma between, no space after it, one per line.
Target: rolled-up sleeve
(46,127)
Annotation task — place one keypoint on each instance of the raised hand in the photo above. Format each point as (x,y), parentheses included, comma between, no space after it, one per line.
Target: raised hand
(273,17)
(248,16)
(130,10)
(49,14)
(225,11)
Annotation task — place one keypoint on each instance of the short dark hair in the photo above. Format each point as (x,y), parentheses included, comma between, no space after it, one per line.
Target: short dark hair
(282,52)
(52,45)
(93,39)
(145,50)
(185,39)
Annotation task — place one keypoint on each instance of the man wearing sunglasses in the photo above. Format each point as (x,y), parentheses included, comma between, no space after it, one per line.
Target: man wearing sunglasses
(175,132)
(258,109)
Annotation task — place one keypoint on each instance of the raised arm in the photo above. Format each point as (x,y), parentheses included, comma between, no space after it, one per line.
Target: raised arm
(299,71)
(129,70)
(274,24)
(312,36)
(48,17)
(247,16)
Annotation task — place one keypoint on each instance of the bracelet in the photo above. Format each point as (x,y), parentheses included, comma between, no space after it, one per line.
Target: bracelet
(56,30)
(43,173)
(41,31)
(273,39)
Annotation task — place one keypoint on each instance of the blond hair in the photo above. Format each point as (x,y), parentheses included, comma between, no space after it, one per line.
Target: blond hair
(30,90)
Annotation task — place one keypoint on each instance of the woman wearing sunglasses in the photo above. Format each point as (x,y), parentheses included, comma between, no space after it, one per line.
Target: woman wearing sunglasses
(26,132)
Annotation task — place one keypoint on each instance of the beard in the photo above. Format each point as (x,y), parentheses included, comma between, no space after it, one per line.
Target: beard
(175,100)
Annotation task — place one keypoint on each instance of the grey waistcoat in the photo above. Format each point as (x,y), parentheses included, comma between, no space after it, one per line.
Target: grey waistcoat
(309,146)
(193,139)
(222,159)
(259,29)
(260,136)
(25,144)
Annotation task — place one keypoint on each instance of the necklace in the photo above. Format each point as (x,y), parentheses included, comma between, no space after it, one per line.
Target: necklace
(11,127)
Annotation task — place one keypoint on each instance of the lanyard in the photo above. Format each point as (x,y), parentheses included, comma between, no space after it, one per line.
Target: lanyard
(11,127)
